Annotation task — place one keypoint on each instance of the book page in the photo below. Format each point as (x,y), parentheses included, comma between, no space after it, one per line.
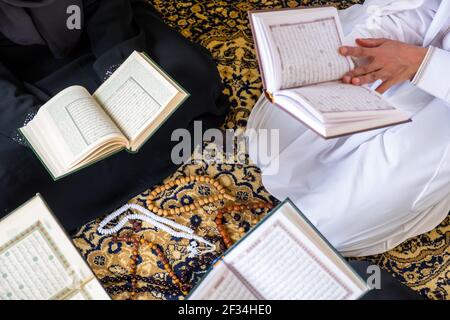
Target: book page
(285,257)
(32,256)
(308,52)
(79,120)
(336,97)
(39,262)
(281,267)
(135,95)
(222,284)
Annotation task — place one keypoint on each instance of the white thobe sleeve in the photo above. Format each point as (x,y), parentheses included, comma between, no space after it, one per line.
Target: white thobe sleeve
(409,26)
(433,76)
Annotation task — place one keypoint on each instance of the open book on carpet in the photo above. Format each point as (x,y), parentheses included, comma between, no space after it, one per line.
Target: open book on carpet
(38,260)
(283,257)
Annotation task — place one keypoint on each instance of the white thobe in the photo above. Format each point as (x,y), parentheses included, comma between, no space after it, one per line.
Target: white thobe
(368,192)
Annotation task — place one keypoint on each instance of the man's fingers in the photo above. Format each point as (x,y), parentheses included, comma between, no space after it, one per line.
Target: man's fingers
(385,86)
(360,71)
(364,69)
(347,79)
(371,42)
(368,78)
(354,51)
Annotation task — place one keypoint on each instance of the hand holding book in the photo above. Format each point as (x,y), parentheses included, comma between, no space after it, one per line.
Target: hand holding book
(391,61)
(302,72)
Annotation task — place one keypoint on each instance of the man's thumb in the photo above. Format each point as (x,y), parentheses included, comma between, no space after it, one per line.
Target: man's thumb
(371,43)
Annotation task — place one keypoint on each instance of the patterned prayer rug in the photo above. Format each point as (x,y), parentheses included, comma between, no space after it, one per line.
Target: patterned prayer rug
(423,263)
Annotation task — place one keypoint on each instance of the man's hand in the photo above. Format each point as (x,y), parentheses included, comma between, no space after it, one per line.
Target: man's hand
(390,61)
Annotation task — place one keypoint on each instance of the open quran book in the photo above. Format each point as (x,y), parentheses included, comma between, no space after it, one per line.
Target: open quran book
(38,260)
(302,70)
(283,257)
(75,129)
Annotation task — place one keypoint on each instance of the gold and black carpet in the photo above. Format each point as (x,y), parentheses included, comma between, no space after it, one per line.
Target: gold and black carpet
(422,263)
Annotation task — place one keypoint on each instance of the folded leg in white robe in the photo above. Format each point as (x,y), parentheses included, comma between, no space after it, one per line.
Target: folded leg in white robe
(371,191)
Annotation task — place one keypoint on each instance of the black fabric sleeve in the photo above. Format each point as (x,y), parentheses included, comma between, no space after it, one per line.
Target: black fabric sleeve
(112,32)
(17,105)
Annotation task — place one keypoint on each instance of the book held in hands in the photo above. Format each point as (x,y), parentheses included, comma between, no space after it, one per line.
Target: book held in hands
(302,70)
(38,260)
(75,129)
(282,258)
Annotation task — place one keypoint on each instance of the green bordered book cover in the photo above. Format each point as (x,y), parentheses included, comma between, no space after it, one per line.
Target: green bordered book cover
(287,201)
(59,247)
(163,73)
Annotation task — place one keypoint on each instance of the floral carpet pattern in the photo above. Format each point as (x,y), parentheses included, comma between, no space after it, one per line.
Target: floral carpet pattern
(422,263)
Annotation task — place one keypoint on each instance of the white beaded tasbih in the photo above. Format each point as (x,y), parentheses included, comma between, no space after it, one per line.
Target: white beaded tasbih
(159,222)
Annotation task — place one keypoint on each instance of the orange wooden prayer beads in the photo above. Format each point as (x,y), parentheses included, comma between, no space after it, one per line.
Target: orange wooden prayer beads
(222,194)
